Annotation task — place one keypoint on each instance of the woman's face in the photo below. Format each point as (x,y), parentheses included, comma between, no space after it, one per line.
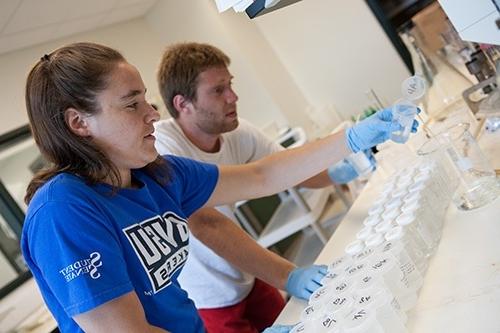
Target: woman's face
(123,128)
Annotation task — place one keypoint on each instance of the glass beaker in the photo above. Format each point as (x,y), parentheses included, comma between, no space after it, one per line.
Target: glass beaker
(444,178)
(478,185)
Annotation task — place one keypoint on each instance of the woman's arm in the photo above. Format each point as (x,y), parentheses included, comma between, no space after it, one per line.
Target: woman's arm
(123,314)
(279,171)
(290,167)
(220,234)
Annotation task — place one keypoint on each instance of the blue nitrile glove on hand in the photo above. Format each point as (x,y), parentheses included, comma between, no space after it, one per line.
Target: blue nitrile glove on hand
(343,172)
(303,281)
(278,329)
(373,130)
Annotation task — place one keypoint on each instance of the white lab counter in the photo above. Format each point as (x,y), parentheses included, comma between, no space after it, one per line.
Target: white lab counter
(461,291)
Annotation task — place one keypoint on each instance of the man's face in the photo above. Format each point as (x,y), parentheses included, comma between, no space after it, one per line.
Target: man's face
(214,108)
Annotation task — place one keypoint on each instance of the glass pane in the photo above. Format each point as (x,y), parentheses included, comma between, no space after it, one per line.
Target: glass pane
(18,162)
(17,166)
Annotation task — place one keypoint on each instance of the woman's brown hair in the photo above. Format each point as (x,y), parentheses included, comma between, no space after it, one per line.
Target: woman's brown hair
(71,77)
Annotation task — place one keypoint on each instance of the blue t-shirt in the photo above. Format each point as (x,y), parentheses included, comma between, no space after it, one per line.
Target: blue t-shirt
(86,246)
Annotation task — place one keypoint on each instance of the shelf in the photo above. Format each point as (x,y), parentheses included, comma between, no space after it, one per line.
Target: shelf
(289,217)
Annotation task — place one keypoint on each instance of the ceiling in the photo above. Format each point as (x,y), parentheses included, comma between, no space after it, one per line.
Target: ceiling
(28,22)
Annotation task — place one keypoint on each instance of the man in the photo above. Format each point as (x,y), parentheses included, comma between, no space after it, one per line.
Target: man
(195,84)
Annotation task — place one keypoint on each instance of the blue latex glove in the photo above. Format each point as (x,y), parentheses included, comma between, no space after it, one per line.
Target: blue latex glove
(278,329)
(303,281)
(343,172)
(373,130)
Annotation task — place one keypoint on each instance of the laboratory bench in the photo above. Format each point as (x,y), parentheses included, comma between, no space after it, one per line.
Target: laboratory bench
(461,289)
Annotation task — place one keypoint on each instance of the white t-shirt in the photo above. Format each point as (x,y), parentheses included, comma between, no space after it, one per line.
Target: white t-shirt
(210,280)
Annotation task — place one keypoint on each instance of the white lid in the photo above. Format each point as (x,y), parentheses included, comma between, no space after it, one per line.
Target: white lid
(374,240)
(331,276)
(405,175)
(414,87)
(411,207)
(341,287)
(299,328)
(364,299)
(338,303)
(395,233)
(319,295)
(417,187)
(422,176)
(393,212)
(355,269)
(364,254)
(426,166)
(399,193)
(412,198)
(361,319)
(367,281)
(404,183)
(391,206)
(382,264)
(405,219)
(364,233)
(388,188)
(380,201)
(376,210)
(339,263)
(372,220)
(328,323)
(311,312)
(355,247)
(383,227)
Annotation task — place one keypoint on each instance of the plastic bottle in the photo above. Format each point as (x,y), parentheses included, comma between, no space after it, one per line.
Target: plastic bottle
(405,109)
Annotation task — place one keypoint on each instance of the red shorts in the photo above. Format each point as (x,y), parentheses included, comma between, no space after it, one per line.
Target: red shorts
(253,314)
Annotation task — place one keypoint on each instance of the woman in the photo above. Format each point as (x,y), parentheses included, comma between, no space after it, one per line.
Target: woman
(105,233)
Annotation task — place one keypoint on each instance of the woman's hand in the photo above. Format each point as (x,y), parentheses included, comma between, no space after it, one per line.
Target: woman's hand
(373,130)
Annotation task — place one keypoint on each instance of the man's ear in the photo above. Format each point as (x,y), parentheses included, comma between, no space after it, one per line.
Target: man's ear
(181,104)
(77,122)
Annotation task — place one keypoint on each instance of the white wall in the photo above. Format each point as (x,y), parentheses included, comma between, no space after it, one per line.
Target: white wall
(134,39)
(335,50)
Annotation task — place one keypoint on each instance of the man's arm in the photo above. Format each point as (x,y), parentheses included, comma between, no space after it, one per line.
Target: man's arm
(123,314)
(219,233)
(319,181)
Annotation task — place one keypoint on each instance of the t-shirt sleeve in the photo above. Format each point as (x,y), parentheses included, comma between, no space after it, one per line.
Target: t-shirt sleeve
(195,181)
(262,145)
(77,255)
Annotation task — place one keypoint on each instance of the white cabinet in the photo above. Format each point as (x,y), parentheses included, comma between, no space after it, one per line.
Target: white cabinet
(475,20)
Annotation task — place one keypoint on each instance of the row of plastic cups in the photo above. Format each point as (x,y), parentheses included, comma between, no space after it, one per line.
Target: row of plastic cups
(333,305)
(395,241)
(409,176)
(404,270)
(413,217)
(414,202)
(422,223)
(410,275)
(429,218)
(413,243)
(438,194)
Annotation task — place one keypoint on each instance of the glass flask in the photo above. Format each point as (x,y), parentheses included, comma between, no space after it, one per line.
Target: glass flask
(478,185)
